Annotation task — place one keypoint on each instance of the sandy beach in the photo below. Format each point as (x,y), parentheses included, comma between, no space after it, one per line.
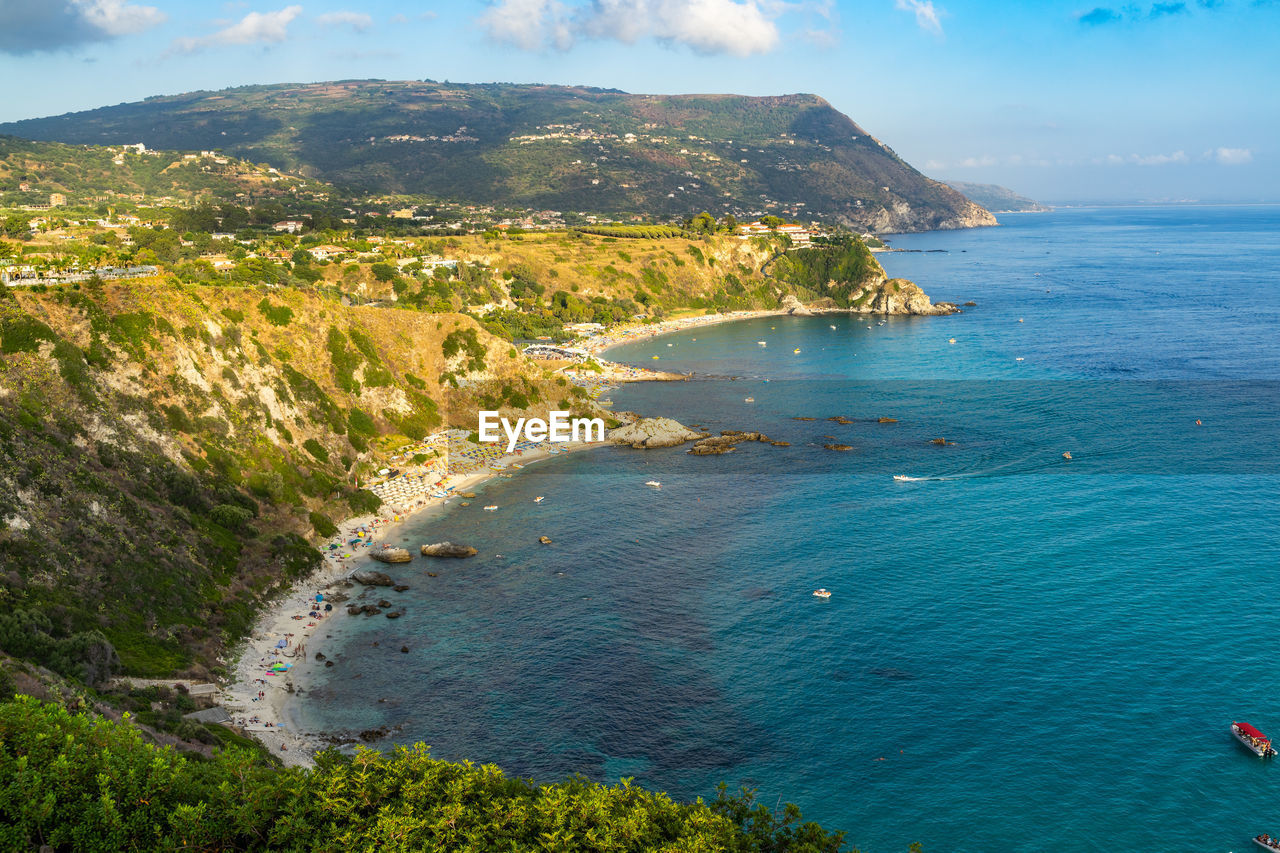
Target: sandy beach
(271,667)
(640,331)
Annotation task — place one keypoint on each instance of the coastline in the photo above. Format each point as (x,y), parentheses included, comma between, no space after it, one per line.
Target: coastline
(272,719)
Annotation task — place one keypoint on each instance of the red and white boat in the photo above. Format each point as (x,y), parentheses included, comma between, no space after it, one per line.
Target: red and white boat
(1253,740)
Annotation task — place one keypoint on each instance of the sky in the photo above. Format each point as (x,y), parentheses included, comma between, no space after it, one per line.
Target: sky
(1060,100)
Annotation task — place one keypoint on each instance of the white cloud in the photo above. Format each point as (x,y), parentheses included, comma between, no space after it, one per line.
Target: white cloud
(29,26)
(928,18)
(1159,159)
(358,21)
(118,18)
(529,24)
(253,28)
(1177,157)
(1233,156)
(737,27)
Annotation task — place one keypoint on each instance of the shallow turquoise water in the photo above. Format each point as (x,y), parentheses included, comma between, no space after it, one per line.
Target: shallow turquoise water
(1044,654)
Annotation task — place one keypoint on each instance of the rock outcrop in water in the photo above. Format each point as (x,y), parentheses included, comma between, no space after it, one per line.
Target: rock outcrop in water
(653,432)
(794,306)
(390,555)
(448,549)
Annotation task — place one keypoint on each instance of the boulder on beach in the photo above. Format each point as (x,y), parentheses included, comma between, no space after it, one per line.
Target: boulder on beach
(653,432)
(390,555)
(448,549)
(372,578)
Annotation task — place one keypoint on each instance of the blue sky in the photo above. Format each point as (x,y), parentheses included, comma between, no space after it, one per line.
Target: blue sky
(1058,100)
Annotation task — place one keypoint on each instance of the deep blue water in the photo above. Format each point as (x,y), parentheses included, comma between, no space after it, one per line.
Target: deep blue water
(1021,653)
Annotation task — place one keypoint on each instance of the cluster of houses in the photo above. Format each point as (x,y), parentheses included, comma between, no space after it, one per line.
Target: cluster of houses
(799,234)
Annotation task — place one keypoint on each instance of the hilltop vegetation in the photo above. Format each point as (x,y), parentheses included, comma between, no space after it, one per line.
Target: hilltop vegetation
(566,148)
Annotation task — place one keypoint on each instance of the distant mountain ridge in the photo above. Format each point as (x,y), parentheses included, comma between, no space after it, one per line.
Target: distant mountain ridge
(555,147)
(999,199)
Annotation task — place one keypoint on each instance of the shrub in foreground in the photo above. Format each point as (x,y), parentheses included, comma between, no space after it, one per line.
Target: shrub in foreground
(76,782)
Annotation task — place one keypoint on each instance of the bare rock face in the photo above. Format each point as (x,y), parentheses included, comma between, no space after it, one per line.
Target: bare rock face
(727,440)
(896,296)
(372,579)
(653,432)
(795,307)
(448,549)
(390,555)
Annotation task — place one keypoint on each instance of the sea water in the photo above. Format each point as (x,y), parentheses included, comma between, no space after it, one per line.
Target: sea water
(1020,652)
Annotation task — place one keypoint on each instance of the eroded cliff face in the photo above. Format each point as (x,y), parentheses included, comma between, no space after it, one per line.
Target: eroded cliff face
(900,217)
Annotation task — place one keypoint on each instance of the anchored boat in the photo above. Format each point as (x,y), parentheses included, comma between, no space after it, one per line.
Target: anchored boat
(1253,740)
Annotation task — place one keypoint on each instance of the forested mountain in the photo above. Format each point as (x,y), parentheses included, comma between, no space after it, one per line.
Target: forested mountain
(567,148)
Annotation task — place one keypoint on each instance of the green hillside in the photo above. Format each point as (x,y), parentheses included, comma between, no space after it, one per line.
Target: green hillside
(30,171)
(566,148)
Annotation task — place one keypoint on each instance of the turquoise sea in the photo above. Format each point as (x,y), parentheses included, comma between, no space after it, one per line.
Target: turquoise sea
(1020,653)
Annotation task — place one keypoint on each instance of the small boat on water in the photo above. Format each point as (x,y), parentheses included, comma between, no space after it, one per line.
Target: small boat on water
(763,343)
(654,483)
(796,350)
(749,400)
(822,593)
(539,499)
(833,326)
(903,478)
(1252,740)
(516,465)
(1266,842)
(491,508)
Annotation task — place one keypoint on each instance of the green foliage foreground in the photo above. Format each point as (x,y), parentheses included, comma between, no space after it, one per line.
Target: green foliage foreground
(76,782)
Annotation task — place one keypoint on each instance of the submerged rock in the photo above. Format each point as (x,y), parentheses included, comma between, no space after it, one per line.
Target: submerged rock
(372,578)
(838,446)
(545,540)
(448,549)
